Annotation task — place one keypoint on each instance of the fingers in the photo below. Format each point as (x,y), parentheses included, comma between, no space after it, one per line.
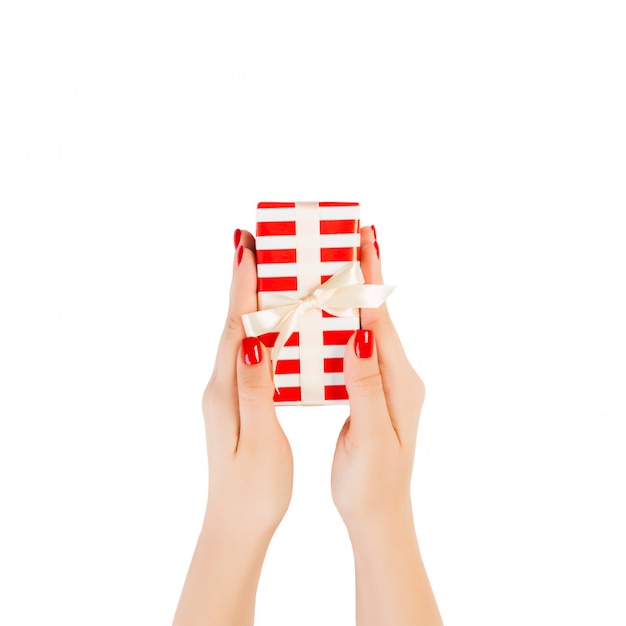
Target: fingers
(372,271)
(220,400)
(368,406)
(401,384)
(256,392)
(243,299)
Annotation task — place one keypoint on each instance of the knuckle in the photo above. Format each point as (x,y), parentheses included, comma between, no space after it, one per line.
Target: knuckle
(367,384)
(384,317)
(233,326)
(382,320)
(255,391)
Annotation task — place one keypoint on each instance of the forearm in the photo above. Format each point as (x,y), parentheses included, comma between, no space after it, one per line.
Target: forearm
(220,588)
(391,582)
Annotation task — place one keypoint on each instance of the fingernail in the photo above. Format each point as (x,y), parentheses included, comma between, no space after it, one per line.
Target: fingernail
(251,349)
(237,238)
(364,343)
(377,249)
(239,255)
(374,230)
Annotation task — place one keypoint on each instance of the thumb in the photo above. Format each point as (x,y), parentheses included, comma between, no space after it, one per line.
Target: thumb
(255,388)
(368,408)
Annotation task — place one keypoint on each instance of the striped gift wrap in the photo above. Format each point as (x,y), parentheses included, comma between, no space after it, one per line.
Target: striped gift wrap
(300,245)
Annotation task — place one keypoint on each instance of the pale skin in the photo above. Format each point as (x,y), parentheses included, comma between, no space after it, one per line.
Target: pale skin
(251,469)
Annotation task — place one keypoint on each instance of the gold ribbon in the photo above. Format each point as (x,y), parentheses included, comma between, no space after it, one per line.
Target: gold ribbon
(339,295)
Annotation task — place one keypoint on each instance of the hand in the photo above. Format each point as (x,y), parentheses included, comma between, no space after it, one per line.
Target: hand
(371,474)
(250,460)
(373,463)
(250,468)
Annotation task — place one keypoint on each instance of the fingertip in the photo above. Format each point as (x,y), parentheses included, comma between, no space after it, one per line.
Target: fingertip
(251,351)
(243,240)
(364,343)
(255,361)
(368,234)
(361,355)
(247,240)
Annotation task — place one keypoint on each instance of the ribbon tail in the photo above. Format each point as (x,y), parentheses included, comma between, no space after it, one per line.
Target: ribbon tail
(283,319)
(289,325)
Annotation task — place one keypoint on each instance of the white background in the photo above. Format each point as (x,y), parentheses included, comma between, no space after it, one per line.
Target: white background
(487,143)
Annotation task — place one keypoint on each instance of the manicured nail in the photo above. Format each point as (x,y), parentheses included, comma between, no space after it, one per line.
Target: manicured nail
(374,230)
(364,343)
(377,249)
(251,349)
(239,255)
(237,238)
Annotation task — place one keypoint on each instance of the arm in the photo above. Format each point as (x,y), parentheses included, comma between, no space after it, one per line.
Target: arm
(391,582)
(250,469)
(222,580)
(372,469)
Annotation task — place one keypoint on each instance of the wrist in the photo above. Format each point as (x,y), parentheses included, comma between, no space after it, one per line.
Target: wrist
(391,583)
(223,576)
(240,518)
(236,535)
(394,526)
(235,558)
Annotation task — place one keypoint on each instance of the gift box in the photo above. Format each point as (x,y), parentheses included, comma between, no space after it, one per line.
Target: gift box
(310,288)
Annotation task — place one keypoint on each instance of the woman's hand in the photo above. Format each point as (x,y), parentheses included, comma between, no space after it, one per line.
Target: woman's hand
(371,474)
(373,463)
(250,468)
(250,461)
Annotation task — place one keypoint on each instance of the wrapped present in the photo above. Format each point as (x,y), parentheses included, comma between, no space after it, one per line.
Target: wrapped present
(310,289)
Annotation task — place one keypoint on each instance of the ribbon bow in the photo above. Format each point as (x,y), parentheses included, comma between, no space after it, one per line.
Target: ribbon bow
(341,293)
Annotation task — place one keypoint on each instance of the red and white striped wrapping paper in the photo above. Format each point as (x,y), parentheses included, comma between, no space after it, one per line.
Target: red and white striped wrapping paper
(299,246)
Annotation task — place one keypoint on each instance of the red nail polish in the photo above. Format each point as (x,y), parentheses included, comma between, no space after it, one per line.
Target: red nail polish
(364,343)
(237,238)
(251,350)
(377,249)
(239,255)
(374,230)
